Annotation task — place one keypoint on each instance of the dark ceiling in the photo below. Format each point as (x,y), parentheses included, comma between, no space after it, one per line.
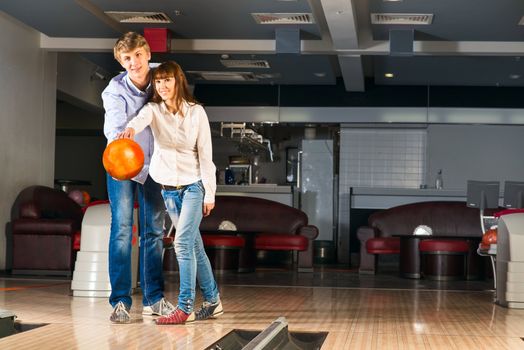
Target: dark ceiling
(464,43)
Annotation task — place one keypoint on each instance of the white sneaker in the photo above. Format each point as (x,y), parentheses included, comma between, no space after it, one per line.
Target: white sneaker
(160,308)
(120,314)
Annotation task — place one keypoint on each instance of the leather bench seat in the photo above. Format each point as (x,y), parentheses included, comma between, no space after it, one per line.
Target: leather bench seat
(45,223)
(383,245)
(443,259)
(223,251)
(223,241)
(280,241)
(265,226)
(437,246)
(446,219)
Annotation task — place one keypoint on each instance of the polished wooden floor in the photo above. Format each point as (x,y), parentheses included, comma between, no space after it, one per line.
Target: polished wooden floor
(359,312)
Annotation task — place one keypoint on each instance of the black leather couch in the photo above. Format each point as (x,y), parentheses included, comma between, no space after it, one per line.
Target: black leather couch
(265,225)
(445,218)
(44,222)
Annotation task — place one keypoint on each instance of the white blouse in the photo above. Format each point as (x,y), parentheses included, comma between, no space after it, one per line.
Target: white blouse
(182,151)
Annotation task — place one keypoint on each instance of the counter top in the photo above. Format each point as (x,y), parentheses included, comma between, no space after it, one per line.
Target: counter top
(255,188)
(432,192)
(382,198)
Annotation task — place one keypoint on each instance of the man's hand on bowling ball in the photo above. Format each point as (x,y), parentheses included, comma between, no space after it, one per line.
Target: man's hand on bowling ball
(128,133)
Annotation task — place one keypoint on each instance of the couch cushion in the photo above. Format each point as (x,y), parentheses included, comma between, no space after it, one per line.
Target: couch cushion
(280,241)
(383,245)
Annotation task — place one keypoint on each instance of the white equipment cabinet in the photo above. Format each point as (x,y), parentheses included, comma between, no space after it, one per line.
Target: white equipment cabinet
(91,275)
(510,261)
(316,185)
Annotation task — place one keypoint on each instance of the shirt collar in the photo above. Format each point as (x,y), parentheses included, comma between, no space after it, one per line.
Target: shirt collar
(185,107)
(137,90)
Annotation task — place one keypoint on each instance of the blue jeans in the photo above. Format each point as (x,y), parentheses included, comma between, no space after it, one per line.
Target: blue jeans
(185,210)
(151,221)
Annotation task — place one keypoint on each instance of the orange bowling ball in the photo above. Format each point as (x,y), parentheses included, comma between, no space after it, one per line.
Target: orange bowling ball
(87,197)
(123,159)
(490,237)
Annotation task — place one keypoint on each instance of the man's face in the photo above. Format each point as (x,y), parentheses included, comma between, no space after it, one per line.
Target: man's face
(136,62)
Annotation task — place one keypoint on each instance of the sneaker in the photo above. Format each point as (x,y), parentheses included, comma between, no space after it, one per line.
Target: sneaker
(176,317)
(209,310)
(120,314)
(160,308)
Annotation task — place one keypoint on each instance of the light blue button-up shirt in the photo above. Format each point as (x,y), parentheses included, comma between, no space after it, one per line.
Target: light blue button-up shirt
(122,101)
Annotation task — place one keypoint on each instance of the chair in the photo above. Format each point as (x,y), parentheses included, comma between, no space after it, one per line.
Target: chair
(44,222)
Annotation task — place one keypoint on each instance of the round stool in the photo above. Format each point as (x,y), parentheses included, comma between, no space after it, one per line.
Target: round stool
(443,259)
(223,251)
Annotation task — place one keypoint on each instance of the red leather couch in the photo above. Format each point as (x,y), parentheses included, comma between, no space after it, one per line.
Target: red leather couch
(43,226)
(265,225)
(445,218)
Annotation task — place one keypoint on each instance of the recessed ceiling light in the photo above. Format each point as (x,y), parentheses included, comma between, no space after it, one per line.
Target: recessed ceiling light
(224,56)
(514,76)
(392,0)
(320,74)
(389,75)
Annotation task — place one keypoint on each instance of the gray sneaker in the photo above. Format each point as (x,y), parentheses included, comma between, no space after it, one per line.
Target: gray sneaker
(160,308)
(120,314)
(209,310)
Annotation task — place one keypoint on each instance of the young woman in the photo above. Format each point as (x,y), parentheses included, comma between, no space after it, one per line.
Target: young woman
(182,163)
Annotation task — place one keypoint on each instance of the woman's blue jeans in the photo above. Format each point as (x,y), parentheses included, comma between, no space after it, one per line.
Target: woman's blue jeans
(151,221)
(185,210)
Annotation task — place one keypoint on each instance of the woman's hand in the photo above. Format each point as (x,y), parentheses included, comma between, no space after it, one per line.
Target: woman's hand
(128,133)
(206,209)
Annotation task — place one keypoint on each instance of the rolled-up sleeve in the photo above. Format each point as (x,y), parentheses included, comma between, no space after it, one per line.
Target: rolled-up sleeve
(142,120)
(116,116)
(205,156)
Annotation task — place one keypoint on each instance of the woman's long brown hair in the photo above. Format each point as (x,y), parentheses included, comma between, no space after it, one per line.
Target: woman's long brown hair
(172,69)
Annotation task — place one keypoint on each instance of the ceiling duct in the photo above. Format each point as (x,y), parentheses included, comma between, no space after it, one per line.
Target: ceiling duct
(139,17)
(222,76)
(401,18)
(245,63)
(283,18)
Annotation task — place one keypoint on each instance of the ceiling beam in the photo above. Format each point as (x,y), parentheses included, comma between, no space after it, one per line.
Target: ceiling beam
(310,47)
(342,22)
(352,71)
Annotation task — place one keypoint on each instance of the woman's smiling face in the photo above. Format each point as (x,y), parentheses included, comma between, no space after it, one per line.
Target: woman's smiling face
(165,87)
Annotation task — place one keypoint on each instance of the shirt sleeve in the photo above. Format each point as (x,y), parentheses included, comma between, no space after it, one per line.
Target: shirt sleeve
(142,120)
(115,118)
(205,156)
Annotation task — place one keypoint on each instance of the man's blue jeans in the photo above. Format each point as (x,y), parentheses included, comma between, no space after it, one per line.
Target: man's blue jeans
(185,210)
(151,221)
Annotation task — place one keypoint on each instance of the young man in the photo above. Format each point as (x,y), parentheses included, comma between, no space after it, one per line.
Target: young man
(123,98)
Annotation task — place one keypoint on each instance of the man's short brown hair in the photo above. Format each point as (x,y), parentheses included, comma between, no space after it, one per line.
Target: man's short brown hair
(129,41)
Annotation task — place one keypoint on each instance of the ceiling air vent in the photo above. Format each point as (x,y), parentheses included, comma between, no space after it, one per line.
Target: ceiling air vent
(139,17)
(283,18)
(222,76)
(245,63)
(401,18)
